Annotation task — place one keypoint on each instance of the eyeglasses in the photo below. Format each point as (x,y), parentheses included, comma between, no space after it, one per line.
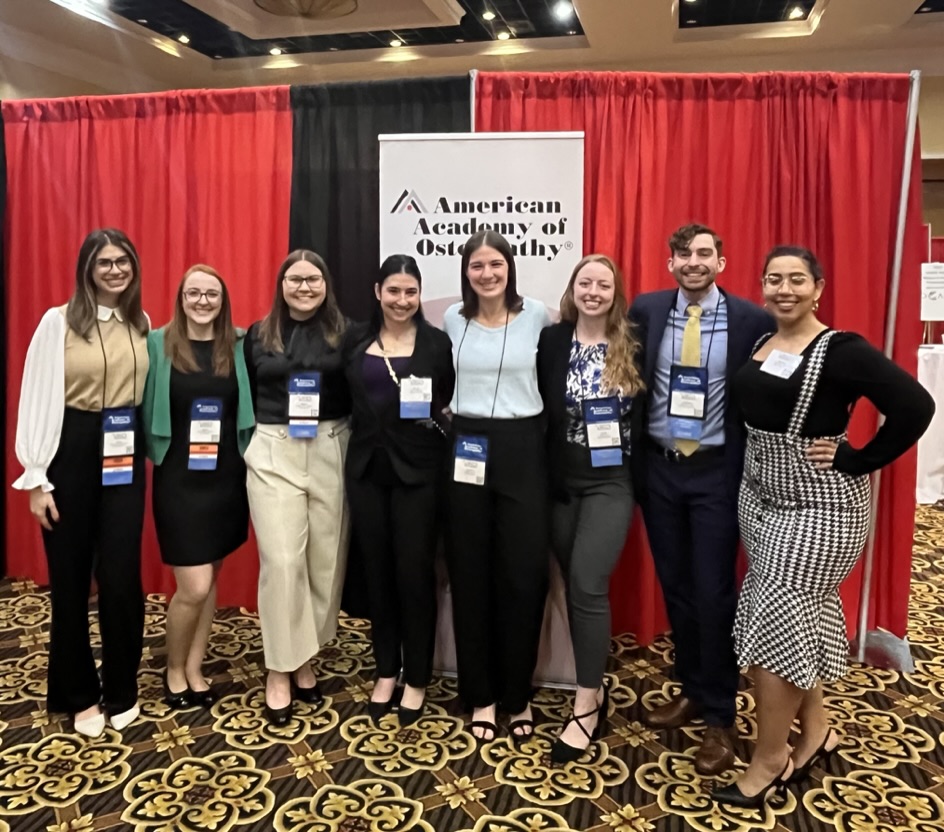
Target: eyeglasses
(194,295)
(296,280)
(775,281)
(105,264)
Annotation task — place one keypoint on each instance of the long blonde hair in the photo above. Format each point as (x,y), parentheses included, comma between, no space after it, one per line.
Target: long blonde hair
(620,372)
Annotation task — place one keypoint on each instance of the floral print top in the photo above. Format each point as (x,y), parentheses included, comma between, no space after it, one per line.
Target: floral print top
(584,377)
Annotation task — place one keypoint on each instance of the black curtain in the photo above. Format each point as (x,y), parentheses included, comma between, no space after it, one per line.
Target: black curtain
(4,394)
(336,192)
(336,167)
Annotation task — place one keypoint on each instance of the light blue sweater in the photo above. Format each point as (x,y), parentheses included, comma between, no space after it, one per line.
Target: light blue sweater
(477,355)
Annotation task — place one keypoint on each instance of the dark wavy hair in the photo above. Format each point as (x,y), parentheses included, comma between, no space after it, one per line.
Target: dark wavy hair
(470,301)
(682,238)
(799,252)
(395,264)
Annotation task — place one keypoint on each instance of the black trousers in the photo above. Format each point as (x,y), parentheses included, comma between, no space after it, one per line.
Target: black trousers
(394,528)
(497,554)
(691,521)
(99,531)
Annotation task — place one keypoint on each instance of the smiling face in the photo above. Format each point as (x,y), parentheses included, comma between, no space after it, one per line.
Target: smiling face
(696,267)
(303,289)
(488,273)
(202,296)
(594,290)
(790,290)
(112,273)
(399,297)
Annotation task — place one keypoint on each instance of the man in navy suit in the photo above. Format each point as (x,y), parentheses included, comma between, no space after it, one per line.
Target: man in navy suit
(687,472)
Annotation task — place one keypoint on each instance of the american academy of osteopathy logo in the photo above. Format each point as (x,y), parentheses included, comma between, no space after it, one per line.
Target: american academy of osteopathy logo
(408,201)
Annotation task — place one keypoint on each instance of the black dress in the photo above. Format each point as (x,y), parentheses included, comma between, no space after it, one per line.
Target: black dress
(200,516)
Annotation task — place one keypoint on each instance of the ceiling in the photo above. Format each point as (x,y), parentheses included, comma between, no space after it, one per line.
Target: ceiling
(102,42)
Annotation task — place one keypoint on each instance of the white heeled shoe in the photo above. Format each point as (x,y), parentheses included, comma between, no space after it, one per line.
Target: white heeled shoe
(92,726)
(125,718)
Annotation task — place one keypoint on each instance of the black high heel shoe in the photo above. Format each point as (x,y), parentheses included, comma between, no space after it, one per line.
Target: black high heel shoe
(310,696)
(204,698)
(177,701)
(820,758)
(408,716)
(733,796)
(562,752)
(278,716)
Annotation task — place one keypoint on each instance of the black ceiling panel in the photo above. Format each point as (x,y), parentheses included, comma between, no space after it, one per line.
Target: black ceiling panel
(521,18)
(694,14)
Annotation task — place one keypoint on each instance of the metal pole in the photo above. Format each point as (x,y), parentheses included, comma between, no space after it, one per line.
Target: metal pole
(890,322)
(473,74)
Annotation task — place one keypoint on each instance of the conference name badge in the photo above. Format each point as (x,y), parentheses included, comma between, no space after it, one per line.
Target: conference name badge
(688,396)
(471,453)
(304,402)
(781,364)
(206,419)
(416,397)
(117,445)
(603,431)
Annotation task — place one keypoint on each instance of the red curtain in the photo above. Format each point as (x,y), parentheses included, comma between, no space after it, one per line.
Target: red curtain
(200,176)
(811,159)
(937,250)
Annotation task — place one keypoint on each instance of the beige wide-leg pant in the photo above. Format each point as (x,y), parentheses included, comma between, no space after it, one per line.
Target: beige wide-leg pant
(299,512)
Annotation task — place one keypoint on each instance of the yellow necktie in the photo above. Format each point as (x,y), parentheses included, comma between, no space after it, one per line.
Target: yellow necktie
(691,357)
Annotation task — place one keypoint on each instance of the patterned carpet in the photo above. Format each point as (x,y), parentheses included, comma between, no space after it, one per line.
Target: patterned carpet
(332,771)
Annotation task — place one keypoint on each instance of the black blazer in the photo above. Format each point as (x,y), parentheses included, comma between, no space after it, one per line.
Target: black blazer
(416,448)
(553,363)
(746,323)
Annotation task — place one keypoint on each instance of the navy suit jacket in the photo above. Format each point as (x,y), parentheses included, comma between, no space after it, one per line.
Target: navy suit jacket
(746,323)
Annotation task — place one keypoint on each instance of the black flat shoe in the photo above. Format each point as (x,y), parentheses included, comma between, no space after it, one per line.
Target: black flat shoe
(278,716)
(562,752)
(733,796)
(310,696)
(204,698)
(177,701)
(820,758)
(408,716)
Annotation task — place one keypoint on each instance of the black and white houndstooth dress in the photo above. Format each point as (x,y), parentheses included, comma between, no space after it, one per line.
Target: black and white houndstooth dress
(803,530)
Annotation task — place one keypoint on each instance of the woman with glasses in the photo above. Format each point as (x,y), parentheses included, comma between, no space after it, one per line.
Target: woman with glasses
(78,438)
(198,421)
(400,372)
(804,509)
(295,480)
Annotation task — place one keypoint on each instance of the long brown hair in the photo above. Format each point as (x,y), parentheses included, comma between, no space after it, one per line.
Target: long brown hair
(82,309)
(328,315)
(620,372)
(470,300)
(177,343)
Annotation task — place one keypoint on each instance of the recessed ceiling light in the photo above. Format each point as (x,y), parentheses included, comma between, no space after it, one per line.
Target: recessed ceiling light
(690,22)
(275,51)
(797,13)
(924,9)
(691,1)
(217,57)
(488,16)
(142,20)
(460,40)
(564,10)
(396,43)
(572,32)
(183,39)
(333,49)
(504,35)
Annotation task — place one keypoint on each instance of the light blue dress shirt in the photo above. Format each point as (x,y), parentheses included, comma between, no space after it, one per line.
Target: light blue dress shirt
(714,348)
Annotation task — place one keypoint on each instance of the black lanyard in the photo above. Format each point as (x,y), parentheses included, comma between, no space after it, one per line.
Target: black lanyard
(134,378)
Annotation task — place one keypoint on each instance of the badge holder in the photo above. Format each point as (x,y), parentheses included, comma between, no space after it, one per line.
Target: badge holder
(416,397)
(470,460)
(602,418)
(688,398)
(118,425)
(206,419)
(304,403)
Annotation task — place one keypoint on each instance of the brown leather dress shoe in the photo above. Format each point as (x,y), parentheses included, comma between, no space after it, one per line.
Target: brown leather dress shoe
(674,714)
(716,754)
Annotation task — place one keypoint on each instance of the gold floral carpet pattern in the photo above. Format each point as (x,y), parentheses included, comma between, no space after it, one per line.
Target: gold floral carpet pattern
(331,770)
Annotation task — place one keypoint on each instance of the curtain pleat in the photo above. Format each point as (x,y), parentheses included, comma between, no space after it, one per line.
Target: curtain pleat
(813,159)
(335,180)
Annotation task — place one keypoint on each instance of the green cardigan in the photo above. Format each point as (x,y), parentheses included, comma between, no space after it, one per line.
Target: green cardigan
(155,407)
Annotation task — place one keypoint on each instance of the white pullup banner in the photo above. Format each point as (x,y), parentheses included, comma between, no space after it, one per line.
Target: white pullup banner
(438,189)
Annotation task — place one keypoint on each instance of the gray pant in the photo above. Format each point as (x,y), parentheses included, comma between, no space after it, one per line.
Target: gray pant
(587,536)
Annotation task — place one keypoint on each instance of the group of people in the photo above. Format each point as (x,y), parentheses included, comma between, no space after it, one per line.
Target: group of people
(504,434)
